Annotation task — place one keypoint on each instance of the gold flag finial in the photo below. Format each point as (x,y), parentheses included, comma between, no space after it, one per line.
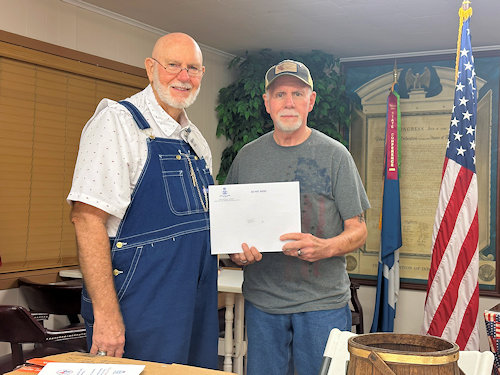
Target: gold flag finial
(464,13)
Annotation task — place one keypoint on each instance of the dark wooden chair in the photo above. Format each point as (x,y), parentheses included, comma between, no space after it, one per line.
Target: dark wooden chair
(18,326)
(357,310)
(61,298)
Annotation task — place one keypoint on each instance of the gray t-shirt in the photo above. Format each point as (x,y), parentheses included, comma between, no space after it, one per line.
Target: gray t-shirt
(330,192)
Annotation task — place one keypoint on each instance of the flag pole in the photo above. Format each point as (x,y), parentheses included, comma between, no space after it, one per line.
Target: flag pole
(394,75)
(395,71)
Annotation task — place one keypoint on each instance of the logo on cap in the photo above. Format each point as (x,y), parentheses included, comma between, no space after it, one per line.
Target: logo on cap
(286,66)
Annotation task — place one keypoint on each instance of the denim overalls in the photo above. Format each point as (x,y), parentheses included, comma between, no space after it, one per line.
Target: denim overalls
(165,277)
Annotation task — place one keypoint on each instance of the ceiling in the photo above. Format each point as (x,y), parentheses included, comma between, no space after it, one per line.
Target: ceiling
(347,29)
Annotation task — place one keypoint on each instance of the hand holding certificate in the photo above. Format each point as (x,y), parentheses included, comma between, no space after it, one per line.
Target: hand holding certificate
(257,214)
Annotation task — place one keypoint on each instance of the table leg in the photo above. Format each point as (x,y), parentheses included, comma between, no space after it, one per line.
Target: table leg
(239,331)
(228,334)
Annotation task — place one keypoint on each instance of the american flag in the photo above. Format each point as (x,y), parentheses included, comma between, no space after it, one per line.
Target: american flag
(492,322)
(451,306)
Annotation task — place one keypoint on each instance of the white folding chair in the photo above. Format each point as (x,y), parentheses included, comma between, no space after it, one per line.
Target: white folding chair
(336,354)
(476,363)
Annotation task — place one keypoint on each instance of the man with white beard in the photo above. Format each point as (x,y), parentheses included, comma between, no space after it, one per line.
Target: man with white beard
(140,211)
(293,298)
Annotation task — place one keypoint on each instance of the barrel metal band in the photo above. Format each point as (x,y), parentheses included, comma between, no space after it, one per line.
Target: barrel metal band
(407,358)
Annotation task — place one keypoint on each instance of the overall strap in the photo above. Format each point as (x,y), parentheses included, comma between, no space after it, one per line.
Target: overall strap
(136,114)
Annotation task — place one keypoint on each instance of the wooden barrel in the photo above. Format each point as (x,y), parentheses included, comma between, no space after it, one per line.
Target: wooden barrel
(390,353)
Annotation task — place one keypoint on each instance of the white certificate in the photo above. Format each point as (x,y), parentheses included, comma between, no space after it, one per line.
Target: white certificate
(59,368)
(257,214)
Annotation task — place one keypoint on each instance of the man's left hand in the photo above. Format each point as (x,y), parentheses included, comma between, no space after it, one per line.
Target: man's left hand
(307,247)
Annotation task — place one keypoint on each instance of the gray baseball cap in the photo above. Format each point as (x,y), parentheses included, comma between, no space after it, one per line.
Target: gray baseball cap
(290,68)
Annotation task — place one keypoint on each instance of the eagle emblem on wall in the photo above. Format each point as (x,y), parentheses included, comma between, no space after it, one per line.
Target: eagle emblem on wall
(417,81)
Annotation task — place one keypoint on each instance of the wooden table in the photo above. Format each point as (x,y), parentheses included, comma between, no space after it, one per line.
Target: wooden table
(151,368)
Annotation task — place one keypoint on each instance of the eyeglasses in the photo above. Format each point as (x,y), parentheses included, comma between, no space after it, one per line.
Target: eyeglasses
(172,68)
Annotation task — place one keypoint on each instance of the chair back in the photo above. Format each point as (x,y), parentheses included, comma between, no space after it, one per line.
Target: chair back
(52,298)
(336,354)
(18,326)
(357,310)
(475,362)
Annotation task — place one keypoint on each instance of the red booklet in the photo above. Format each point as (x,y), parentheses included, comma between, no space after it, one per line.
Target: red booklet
(34,365)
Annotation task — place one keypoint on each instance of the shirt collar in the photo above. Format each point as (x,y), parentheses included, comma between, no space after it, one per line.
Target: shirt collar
(161,117)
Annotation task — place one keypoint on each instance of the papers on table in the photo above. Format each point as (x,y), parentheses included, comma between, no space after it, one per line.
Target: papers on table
(60,368)
(230,280)
(257,214)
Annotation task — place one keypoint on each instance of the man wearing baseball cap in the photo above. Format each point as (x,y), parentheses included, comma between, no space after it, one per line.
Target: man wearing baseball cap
(296,296)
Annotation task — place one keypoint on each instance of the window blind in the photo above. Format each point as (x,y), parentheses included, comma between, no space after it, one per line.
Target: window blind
(44,103)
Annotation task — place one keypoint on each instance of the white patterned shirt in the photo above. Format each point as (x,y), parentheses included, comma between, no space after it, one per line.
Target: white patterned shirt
(113,151)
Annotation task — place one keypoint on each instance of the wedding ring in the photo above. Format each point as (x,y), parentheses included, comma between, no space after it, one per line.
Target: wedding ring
(102,352)
(299,253)
(244,261)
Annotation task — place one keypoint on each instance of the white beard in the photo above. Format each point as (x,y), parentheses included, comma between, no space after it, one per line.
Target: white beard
(165,96)
(289,127)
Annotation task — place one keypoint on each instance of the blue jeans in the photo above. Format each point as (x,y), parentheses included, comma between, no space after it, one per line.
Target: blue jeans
(280,343)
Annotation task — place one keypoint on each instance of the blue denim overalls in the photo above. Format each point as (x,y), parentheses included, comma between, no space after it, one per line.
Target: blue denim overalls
(165,277)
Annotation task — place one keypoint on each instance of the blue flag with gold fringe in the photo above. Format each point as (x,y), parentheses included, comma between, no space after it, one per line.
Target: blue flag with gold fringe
(390,223)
